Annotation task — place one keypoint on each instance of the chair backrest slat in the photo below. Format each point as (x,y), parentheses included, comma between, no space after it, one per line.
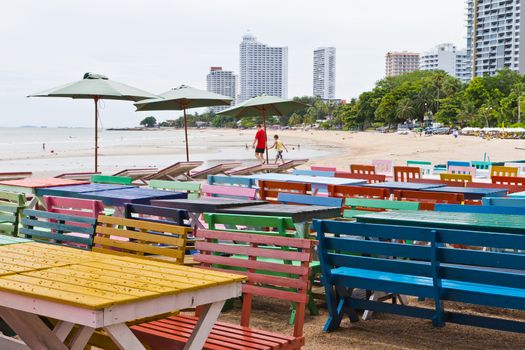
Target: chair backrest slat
(427,199)
(231,181)
(156,214)
(370,178)
(140,238)
(456,177)
(290,198)
(362,169)
(269,190)
(313,172)
(108,179)
(508,180)
(383,167)
(343,191)
(468,170)
(503,171)
(228,191)
(11,206)
(457,163)
(192,188)
(74,206)
(257,224)
(481,165)
(323,168)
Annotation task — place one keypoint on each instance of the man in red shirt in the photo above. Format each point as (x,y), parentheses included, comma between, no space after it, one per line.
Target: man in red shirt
(259,143)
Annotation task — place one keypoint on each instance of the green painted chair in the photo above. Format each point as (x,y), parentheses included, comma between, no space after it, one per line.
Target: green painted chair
(481,165)
(192,188)
(266,225)
(359,206)
(114,180)
(425,166)
(11,206)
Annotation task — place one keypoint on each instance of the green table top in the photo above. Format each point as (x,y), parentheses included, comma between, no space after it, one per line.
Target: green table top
(466,221)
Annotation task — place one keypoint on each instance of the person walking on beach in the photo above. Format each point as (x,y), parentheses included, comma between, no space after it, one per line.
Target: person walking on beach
(259,143)
(279,147)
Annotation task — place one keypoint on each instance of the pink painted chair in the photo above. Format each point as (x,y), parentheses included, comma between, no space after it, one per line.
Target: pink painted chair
(323,168)
(228,192)
(463,170)
(384,167)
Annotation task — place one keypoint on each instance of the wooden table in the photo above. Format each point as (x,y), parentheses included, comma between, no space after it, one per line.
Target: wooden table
(68,191)
(197,206)
(466,221)
(397,185)
(472,192)
(301,215)
(29,185)
(95,290)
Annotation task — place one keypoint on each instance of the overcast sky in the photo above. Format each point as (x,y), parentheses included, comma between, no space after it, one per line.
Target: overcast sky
(159,44)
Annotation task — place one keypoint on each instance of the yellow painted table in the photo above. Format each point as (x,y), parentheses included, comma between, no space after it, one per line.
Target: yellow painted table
(96,290)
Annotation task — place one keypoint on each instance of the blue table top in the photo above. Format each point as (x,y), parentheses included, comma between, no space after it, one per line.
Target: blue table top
(64,190)
(137,195)
(518,194)
(472,192)
(314,180)
(413,186)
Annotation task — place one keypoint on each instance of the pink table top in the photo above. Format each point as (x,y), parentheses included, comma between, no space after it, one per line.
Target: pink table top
(31,182)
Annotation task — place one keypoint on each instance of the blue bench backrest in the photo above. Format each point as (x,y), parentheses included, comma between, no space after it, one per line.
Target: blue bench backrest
(457,163)
(344,244)
(314,173)
(482,209)
(310,200)
(230,181)
(504,202)
(152,213)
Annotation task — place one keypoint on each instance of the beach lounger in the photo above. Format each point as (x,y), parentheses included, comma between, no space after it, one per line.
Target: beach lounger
(81,176)
(252,169)
(291,164)
(15,175)
(137,174)
(174,171)
(214,170)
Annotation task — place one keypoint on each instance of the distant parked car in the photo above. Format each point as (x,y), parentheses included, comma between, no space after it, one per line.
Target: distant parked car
(382,129)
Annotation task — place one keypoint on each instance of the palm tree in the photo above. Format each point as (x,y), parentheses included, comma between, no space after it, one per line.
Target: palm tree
(405,110)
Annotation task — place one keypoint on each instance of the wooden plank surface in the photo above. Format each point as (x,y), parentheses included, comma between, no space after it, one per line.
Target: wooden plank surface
(205,204)
(32,182)
(93,280)
(298,213)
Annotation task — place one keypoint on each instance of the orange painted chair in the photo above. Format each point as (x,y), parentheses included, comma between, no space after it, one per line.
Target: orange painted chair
(269,190)
(362,169)
(456,177)
(508,180)
(503,171)
(428,199)
(405,173)
(370,178)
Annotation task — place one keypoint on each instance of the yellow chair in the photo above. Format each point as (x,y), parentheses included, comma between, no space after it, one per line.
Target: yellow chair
(456,177)
(503,171)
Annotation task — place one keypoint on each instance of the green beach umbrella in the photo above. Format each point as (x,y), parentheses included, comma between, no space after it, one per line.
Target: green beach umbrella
(264,106)
(182,98)
(96,87)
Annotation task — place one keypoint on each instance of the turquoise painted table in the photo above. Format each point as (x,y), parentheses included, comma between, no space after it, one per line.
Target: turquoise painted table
(518,194)
(466,221)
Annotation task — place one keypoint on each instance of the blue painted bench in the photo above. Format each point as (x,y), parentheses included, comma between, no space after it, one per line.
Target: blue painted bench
(504,202)
(59,229)
(482,209)
(314,172)
(291,198)
(231,181)
(435,271)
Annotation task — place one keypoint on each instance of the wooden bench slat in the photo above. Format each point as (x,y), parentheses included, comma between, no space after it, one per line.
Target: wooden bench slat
(259,239)
(250,264)
(107,243)
(57,225)
(145,225)
(141,236)
(251,251)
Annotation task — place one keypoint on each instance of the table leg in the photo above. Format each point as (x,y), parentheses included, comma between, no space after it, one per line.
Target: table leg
(194,220)
(62,329)
(81,338)
(204,326)
(302,228)
(123,337)
(32,330)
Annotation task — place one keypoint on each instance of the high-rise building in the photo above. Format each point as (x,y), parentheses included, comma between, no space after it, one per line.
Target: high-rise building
(263,69)
(222,82)
(324,72)
(398,63)
(494,35)
(447,58)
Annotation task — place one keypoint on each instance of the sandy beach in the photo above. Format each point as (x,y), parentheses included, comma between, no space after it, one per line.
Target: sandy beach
(72,149)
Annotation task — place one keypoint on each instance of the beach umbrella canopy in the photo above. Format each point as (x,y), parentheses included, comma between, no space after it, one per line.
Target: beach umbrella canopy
(264,106)
(182,98)
(96,87)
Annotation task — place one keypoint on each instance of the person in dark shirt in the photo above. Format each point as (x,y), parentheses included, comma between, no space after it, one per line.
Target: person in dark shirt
(259,143)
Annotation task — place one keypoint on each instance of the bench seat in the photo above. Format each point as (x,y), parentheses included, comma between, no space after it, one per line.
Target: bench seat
(173,332)
(498,296)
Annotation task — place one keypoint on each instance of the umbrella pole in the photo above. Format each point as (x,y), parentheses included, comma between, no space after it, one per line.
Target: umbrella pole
(186,133)
(96,134)
(265,135)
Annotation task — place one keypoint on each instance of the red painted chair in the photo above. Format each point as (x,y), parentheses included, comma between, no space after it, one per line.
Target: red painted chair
(405,173)
(428,199)
(279,280)
(370,178)
(323,168)
(510,188)
(269,190)
(508,180)
(342,191)
(228,191)
(362,169)
(438,182)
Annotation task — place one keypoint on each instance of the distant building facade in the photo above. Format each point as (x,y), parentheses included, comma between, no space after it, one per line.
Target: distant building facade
(324,73)
(398,63)
(495,38)
(222,82)
(447,58)
(263,69)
